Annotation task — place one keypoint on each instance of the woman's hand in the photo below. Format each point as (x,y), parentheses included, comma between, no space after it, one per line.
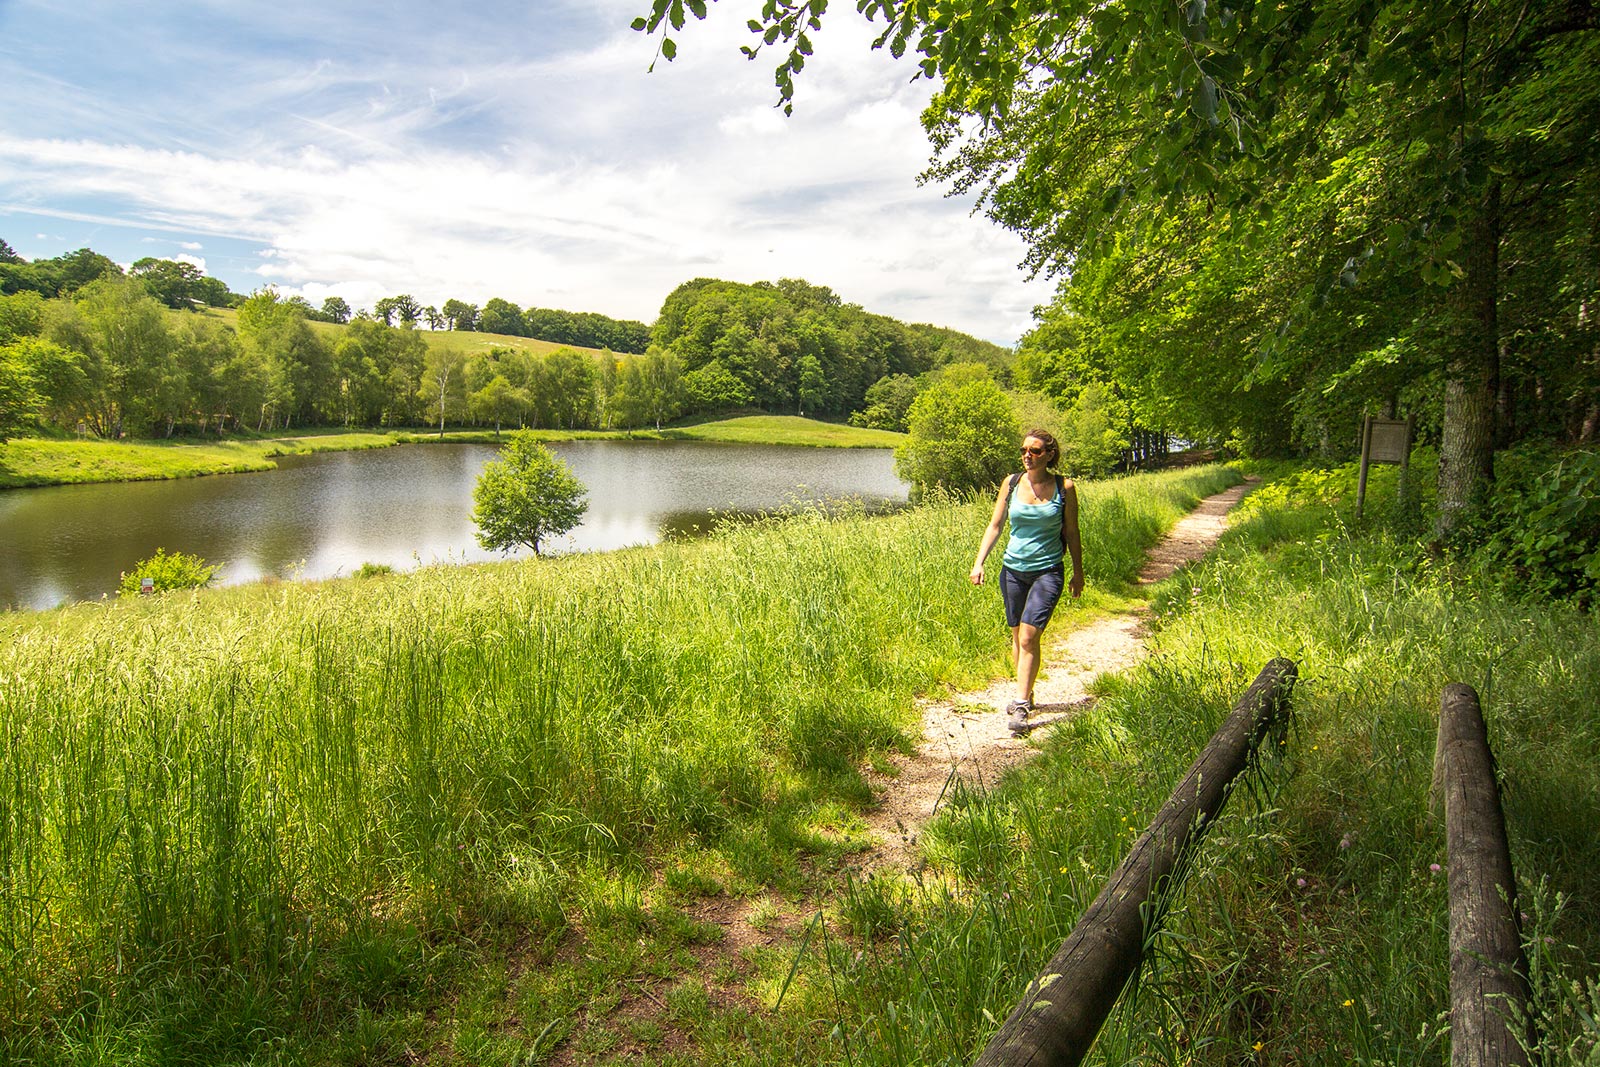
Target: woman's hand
(1075,586)
(976,577)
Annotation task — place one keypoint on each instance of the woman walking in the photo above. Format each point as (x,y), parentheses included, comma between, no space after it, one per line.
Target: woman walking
(1043,509)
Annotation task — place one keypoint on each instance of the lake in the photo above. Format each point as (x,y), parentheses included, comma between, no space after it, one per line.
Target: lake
(325,515)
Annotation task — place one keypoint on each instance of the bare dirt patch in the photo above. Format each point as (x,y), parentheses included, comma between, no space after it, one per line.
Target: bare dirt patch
(966,736)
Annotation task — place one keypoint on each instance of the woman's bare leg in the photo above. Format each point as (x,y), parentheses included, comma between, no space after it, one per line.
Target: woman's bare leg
(1025,652)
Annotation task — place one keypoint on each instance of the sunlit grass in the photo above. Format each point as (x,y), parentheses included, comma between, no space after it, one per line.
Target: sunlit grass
(38,461)
(1312,928)
(274,807)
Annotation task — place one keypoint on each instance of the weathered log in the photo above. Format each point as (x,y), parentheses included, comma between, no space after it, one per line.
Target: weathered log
(1063,1008)
(1488,972)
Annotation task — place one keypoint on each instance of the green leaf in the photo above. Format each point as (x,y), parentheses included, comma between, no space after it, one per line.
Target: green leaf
(669,48)
(1208,99)
(698,7)
(639,23)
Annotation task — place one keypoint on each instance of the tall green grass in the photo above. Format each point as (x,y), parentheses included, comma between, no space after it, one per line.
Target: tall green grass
(254,811)
(1313,926)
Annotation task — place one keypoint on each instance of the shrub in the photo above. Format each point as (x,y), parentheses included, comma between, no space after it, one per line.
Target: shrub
(963,434)
(1546,530)
(179,570)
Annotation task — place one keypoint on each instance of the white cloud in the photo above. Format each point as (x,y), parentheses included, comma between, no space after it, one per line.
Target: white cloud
(570,179)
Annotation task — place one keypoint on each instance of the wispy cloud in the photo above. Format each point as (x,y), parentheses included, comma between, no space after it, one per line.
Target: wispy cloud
(540,163)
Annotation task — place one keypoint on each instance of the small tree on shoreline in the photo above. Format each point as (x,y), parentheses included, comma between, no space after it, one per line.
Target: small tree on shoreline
(526,496)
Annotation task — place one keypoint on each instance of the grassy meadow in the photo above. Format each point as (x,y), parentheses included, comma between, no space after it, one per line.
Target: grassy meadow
(466,342)
(501,813)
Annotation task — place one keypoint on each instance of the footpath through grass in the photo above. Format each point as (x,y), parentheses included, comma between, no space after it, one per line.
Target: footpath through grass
(34,461)
(1313,925)
(297,822)
(517,813)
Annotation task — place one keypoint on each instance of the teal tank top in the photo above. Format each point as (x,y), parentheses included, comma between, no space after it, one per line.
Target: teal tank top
(1035,542)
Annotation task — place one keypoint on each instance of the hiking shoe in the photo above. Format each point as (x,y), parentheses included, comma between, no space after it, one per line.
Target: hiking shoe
(1017,716)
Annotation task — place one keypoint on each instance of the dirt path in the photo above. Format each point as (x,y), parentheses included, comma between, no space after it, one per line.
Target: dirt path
(966,735)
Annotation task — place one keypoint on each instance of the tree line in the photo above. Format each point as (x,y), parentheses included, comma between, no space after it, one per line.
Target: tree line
(108,356)
(182,285)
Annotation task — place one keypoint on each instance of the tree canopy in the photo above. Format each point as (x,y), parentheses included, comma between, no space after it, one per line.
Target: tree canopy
(1275,205)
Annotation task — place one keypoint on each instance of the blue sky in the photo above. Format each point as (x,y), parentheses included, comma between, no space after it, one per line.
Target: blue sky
(513,150)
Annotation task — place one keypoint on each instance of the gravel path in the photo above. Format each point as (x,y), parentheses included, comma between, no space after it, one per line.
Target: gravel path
(966,736)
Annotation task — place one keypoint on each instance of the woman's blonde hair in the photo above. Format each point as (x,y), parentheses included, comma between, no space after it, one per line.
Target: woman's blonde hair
(1052,448)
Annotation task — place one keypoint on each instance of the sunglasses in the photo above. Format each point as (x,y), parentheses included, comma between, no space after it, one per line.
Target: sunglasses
(1026,451)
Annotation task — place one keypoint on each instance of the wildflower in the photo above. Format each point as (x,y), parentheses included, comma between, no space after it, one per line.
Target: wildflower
(1300,882)
(1434,867)
(1257,1047)
(1349,1003)
(1344,842)
(1063,870)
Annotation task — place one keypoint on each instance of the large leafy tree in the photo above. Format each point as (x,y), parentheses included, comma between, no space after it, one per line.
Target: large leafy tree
(122,335)
(336,309)
(173,283)
(1080,121)
(460,314)
(302,378)
(963,433)
(526,496)
(502,317)
(18,396)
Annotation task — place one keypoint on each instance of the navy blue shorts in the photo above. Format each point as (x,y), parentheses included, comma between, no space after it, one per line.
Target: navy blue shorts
(1031,596)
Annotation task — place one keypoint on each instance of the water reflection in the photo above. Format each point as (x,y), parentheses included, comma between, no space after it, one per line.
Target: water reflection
(320,516)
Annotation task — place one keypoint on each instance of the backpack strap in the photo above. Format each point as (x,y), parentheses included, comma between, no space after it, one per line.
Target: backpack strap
(1061,493)
(1011,490)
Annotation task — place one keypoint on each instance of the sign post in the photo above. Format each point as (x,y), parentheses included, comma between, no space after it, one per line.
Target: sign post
(1383,441)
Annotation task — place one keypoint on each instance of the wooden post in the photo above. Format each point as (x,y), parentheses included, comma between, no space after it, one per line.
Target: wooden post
(1366,452)
(1488,972)
(1063,1008)
(1405,462)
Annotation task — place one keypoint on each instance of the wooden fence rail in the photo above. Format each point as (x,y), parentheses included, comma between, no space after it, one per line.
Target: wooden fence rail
(1488,972)
(1063,1008)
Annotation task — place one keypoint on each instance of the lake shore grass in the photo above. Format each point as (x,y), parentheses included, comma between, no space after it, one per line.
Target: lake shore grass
(508,812)
(33,461)
(268,806)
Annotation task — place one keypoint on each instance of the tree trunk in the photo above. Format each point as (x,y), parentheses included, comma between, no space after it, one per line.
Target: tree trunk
(1466,448)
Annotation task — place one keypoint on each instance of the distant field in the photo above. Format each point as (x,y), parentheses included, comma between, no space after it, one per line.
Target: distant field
(466,342)
(36,461)
(785,430)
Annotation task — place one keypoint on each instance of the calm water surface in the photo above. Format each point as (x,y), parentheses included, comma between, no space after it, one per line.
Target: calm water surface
(325,515)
